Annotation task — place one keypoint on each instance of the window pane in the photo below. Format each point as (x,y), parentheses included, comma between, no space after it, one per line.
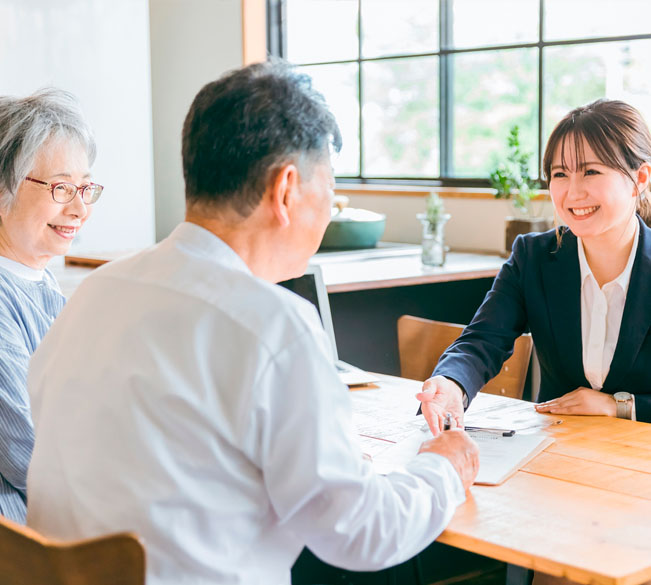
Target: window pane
(321,30)
(577,75)
(493,90)
(399,27)
(400,117)
(481,22)
(338,84)
(579,19)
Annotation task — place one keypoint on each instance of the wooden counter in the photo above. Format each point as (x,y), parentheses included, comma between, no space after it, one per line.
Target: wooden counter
(369,290)
(387,268)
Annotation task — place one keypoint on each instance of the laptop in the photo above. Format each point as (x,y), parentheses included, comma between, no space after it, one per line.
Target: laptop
(311,287)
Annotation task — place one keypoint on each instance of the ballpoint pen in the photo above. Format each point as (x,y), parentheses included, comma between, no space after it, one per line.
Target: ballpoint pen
(505,432)
(543,425)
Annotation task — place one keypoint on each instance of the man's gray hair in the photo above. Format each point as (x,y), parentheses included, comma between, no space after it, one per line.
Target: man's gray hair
(26,124)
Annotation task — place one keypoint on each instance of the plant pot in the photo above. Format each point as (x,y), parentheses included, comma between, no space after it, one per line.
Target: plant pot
(524,225)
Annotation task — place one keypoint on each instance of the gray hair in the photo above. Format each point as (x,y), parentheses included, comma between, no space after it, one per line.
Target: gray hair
(241,128)
(26,124)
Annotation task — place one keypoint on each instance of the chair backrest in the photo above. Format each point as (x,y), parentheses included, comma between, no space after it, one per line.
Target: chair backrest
(422,341)
(26,558)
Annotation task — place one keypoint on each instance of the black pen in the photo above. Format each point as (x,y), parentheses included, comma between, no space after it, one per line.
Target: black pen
(505,432)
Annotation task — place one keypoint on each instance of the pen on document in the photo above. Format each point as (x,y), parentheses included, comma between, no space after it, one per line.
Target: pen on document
(447,423)
(505,432)
(543,425)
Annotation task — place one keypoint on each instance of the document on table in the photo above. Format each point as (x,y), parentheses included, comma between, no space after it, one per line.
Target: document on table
(488,410)
(391,434)
(500,457)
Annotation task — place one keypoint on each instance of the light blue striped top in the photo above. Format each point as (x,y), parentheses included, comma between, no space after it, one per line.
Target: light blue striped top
(27,309)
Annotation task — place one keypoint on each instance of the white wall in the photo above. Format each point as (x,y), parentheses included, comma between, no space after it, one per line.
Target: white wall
(98,50)
(475,225)
(192,42)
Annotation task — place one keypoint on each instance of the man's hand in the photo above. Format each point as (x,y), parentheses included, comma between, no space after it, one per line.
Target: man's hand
(438,397)
(581,401)
(460,450)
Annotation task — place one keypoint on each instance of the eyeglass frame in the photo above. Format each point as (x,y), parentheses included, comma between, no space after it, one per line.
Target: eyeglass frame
(53,186)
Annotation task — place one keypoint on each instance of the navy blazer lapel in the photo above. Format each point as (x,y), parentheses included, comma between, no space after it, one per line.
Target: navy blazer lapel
(562,283)
(636,319)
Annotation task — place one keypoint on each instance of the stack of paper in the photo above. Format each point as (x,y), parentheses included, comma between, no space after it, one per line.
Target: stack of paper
(391,434)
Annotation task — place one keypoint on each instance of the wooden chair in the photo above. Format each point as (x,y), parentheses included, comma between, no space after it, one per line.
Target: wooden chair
(26,558)
(422,341)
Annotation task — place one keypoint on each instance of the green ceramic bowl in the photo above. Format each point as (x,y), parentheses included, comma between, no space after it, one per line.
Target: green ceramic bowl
(353,229)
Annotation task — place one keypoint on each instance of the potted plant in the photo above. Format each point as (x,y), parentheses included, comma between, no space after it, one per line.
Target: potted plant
(512,180)
(433,222)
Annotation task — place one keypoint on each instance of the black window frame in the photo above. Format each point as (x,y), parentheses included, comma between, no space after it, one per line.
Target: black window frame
(277,46)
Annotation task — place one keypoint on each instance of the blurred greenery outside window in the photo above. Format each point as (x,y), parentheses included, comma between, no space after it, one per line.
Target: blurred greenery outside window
(426,91)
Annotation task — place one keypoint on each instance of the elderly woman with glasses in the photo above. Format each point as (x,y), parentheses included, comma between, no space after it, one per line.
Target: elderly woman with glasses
(46,196)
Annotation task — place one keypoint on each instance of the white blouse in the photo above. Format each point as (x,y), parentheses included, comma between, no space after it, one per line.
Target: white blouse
(21,270)
(601,315)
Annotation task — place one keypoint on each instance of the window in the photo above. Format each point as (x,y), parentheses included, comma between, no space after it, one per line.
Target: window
(427,90)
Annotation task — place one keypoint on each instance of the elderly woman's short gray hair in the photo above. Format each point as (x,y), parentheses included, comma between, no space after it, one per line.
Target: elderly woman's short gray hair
(26,124)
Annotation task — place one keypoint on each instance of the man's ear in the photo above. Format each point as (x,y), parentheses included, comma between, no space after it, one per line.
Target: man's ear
(283,192)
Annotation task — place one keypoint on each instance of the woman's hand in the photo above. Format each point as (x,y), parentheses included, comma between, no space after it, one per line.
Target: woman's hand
(581,401)
(439,397)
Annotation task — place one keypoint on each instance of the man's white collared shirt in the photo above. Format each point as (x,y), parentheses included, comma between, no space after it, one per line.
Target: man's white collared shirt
(180,397)
(601,315)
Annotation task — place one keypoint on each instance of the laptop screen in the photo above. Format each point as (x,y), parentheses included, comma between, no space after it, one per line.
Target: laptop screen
(310,286)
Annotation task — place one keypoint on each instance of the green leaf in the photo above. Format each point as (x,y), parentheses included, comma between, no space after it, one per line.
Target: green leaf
(512,177)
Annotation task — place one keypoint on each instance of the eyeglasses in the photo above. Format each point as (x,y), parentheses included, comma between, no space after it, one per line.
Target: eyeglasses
(66,192)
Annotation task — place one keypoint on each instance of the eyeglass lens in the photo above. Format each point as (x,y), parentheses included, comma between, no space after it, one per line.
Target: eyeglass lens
(66,192)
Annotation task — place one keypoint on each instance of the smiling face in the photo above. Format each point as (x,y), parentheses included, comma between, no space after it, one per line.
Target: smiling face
(594,200)
(36,228)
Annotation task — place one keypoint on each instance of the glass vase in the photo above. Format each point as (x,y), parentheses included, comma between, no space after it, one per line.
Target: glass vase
(433,243)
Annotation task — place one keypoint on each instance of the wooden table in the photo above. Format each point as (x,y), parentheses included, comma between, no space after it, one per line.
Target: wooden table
(581,509)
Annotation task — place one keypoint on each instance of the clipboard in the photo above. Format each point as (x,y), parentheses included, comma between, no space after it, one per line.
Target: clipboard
(500,457)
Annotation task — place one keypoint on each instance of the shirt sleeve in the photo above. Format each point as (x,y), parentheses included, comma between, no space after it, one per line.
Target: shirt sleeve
(320,486)
(16,430)
(487,342)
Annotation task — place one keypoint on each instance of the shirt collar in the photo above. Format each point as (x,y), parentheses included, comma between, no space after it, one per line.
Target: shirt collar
(202,242)
(21,270)
(624,278)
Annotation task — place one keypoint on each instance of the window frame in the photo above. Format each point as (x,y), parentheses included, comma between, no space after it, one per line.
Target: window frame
(277,47)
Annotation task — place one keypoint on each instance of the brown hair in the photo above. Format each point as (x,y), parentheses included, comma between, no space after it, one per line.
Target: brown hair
(617,134)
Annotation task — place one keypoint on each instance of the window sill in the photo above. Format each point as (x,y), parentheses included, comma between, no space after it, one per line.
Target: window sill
(408,191)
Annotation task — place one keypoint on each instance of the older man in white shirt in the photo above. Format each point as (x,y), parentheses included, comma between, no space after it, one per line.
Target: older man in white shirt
(184,396)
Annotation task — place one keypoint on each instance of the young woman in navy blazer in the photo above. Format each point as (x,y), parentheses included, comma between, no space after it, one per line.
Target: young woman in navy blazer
(584,290)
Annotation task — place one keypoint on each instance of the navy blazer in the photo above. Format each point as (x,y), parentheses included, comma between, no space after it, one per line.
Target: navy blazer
(539,289)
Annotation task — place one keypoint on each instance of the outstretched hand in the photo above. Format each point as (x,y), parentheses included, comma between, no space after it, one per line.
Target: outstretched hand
(581,401)
(439,397)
